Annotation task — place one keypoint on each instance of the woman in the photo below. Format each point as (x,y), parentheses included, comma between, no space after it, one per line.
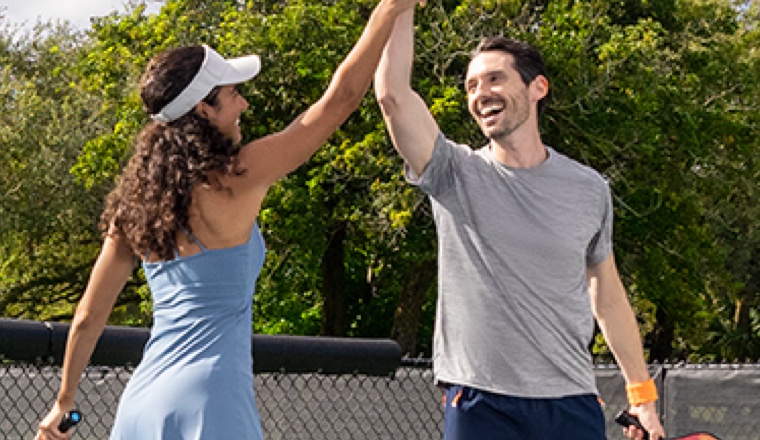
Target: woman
(186,205)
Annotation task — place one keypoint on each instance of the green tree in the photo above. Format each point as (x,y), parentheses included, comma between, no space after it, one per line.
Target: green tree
(658,119)
(660,96)
(48,235)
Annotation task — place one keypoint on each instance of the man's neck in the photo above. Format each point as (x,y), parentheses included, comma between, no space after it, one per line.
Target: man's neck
(519,150)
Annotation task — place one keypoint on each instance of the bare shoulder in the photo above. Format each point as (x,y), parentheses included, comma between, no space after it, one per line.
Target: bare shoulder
(222,216)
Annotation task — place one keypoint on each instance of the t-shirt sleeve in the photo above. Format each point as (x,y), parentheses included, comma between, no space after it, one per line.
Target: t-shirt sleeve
(600,246)
(439,175)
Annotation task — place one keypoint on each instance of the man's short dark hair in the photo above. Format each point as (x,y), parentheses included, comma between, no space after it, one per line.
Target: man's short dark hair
(527,59)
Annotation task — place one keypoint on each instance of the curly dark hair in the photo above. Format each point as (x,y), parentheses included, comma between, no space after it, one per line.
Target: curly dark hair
(150,201)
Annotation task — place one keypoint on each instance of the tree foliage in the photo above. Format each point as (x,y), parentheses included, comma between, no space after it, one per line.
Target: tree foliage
(48,238)
(660,96)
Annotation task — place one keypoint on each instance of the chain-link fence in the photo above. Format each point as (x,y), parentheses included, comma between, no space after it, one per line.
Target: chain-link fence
(314,400)
(723,399)
(292,406)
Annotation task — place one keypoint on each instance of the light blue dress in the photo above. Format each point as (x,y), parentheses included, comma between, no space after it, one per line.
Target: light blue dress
(195,380)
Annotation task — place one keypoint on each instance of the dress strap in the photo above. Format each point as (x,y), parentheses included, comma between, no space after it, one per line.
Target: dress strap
(192,237)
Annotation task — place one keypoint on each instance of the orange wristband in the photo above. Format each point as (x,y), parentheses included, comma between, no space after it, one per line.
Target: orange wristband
(642,392)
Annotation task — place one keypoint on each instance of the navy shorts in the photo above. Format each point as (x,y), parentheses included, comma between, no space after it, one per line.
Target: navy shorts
(471,414)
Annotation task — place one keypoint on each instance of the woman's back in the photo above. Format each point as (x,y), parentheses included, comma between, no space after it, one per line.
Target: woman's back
(200,343)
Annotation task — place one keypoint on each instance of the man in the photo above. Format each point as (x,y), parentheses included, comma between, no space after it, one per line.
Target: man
(525,256)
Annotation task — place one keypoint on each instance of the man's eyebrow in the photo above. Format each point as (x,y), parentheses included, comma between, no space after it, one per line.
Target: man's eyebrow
(486,73)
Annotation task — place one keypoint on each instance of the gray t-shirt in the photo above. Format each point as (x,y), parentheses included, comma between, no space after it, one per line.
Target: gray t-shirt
(514,315)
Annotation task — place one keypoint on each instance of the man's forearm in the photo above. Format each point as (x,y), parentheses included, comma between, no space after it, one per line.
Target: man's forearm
(395,70)
(620,329)
(617,321)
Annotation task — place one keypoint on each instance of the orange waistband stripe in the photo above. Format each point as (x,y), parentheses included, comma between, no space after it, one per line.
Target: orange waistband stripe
(453,401)
(456,398)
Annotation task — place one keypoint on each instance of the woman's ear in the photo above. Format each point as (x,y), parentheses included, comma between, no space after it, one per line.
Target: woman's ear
(204,110)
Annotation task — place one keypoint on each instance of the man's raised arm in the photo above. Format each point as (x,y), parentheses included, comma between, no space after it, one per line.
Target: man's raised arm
(410,124)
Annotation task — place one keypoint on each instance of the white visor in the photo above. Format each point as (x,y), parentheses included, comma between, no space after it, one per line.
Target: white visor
(215,71)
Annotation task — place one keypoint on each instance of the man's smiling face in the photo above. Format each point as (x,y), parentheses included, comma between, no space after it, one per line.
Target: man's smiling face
(497,97)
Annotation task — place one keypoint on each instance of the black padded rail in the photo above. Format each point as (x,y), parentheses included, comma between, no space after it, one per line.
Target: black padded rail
(36,341)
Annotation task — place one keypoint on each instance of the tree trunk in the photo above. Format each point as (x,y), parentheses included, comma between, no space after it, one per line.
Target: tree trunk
(747,301)
(333,283)
(406,319)
(662,339)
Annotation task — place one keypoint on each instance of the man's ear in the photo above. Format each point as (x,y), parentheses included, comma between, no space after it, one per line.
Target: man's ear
(539,87)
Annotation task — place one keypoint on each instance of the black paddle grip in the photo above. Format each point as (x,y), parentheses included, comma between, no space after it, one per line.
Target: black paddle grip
(70,419)
(624,418)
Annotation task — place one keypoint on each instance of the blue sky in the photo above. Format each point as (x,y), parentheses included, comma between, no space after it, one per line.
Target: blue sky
(78,12)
